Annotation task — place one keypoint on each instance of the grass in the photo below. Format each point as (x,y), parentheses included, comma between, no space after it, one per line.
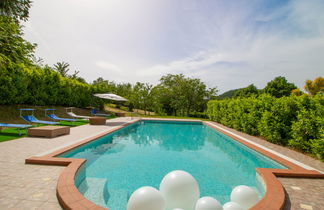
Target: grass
(11,134)
(73,124)
(7,113)
(8,134)
(10,114)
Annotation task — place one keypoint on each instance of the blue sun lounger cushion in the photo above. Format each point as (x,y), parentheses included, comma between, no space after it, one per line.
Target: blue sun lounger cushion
(18,126)
(14,125)
(54,117)
(32,119)
(94,112)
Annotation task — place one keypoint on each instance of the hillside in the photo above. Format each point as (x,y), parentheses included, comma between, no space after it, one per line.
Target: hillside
(228,94)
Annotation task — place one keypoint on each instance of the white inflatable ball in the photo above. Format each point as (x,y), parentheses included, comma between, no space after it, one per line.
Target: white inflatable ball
(245,196)
(180,190)
(208,203)
(177,209)
(232,206)
(146,198)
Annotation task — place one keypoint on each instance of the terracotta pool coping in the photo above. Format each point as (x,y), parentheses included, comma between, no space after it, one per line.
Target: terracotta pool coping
(274,197)
(70,198)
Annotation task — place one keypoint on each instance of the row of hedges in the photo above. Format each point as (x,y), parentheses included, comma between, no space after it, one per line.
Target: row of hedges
(34,85)
(297,121)
(24,81)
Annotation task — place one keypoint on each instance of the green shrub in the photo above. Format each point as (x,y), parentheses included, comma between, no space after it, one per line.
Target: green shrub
(275,124)
(318,147)
(20,84)
(297,121)
(308,129)
(303,130)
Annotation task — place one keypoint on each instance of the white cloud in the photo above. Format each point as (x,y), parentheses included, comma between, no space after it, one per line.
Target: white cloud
(225,43)
(108,66)
(190,65)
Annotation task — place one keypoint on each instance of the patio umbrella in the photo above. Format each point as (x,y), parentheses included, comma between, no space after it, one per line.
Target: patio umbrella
(110,96)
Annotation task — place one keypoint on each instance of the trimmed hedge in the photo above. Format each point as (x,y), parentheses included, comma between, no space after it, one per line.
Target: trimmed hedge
(34,85)
(296,121)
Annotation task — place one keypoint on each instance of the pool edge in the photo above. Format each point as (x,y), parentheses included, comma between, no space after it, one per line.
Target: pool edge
(67,193)
(274,197)
(70,198)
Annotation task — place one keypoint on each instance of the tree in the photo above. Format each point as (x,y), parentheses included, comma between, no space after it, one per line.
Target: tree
(142,96)
(179,95)
(76,77)
(279,87)
(124,89)
(316,86)
(296,92)
(101,85)
(12,44)
(246,92)
(17,9)
(99,80)
(62,68)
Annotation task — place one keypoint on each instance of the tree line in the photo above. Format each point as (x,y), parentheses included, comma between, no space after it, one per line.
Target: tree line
(175,95)
(278,87)
(280,112)
(25,80)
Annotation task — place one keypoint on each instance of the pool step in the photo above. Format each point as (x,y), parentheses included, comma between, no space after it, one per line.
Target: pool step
(117,197)
(93,189)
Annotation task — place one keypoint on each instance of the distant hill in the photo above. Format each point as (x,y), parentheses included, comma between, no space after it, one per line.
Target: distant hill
(228,94)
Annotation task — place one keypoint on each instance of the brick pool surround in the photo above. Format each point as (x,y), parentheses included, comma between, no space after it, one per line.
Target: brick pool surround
(70,198)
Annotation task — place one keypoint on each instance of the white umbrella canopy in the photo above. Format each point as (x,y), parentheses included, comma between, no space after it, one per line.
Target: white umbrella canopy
(110,96)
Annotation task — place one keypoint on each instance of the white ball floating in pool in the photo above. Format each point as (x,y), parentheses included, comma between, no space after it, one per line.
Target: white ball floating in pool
(232,206)
(177,209)
(208,203)
(180,190)
(245,196)
(146,198)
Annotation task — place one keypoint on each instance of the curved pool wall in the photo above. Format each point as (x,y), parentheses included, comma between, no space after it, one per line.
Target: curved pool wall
(142,153)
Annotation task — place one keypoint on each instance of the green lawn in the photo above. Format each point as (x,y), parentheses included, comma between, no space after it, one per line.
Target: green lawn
(12,133)
(74,124)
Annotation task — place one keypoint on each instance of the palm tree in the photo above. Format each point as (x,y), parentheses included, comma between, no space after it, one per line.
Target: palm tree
(62,68)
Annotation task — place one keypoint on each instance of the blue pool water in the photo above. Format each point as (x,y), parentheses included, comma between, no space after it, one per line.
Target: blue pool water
(143,153)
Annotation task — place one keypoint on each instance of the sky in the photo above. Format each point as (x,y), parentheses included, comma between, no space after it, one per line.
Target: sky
(227,44)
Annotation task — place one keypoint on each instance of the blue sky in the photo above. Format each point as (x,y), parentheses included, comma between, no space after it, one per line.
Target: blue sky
(226,43)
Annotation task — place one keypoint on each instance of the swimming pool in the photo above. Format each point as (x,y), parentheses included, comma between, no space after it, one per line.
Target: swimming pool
(141,154)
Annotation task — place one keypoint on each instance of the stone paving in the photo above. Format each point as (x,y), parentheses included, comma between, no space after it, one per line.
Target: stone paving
(24,186)
(304,193)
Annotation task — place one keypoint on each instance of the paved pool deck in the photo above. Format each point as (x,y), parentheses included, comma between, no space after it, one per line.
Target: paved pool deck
(26,186)
(301,193)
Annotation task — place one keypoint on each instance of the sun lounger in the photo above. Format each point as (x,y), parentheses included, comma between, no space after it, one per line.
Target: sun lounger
(54,117)
(95,113)
(32,119)
(18,126)
(77,116)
